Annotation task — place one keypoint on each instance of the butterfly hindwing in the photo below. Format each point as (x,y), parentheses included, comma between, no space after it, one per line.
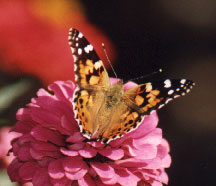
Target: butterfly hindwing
(152,96)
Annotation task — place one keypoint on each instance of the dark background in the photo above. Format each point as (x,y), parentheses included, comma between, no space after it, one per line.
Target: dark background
(179,37)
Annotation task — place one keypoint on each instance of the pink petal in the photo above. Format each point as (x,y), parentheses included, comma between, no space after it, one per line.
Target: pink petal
(61,182)
(86,181)
(24,153)
(55,169)
(126,177)
(45,134)
(76,175)
(99,183)
(68,152)
(113,80)
(63,89)
(23,114)
(39,155)
(73,164)
(133,162)
(76,137)
(166,162)
(70,126)
(87,152)
(41,92)
(110,181)
(23,127)
(163,149)
(104,170)
(129,85)
(156,183)
(41,177)
(164,177)
(39,145)
(45,118)
(146,151)
(97,144)
(77,146)
(154,137)
(148,124)
(25,139)
(45,161)
(114,154)
(28,170)
(13,169)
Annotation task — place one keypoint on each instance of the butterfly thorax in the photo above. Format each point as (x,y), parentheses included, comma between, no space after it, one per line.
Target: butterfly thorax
(112,98)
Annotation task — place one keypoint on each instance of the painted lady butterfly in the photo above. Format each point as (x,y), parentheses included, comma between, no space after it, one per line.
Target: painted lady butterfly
(104,111)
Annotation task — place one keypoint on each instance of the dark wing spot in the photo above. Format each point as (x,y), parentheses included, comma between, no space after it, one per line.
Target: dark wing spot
(86,120)
(80,100)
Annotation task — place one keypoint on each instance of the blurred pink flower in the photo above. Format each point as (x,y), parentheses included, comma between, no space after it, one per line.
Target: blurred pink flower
(5,139)
(34,35)
(52,151)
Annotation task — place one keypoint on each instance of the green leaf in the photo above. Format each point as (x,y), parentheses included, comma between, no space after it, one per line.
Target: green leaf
(5,180)
(9,93)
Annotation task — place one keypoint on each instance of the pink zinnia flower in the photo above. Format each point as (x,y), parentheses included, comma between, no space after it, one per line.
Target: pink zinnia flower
(52,151)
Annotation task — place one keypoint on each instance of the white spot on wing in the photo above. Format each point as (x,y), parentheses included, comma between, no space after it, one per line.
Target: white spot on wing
(75,58)
(167,83)
(80,35)
(176,96)
(160,106)
(79,51)
(183,81)
(75,67)
(73,50)
(77,44)
(168,100)
(98,64)
(88,48)
(170,92)
(76,77)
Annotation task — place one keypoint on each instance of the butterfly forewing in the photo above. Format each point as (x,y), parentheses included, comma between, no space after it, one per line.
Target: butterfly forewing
(89,69)
(91,78)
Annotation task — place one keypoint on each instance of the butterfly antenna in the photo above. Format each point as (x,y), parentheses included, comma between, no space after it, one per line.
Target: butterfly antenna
(109,60)
(140,77)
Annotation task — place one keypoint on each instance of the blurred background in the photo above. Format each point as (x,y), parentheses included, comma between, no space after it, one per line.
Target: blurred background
(141,37)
